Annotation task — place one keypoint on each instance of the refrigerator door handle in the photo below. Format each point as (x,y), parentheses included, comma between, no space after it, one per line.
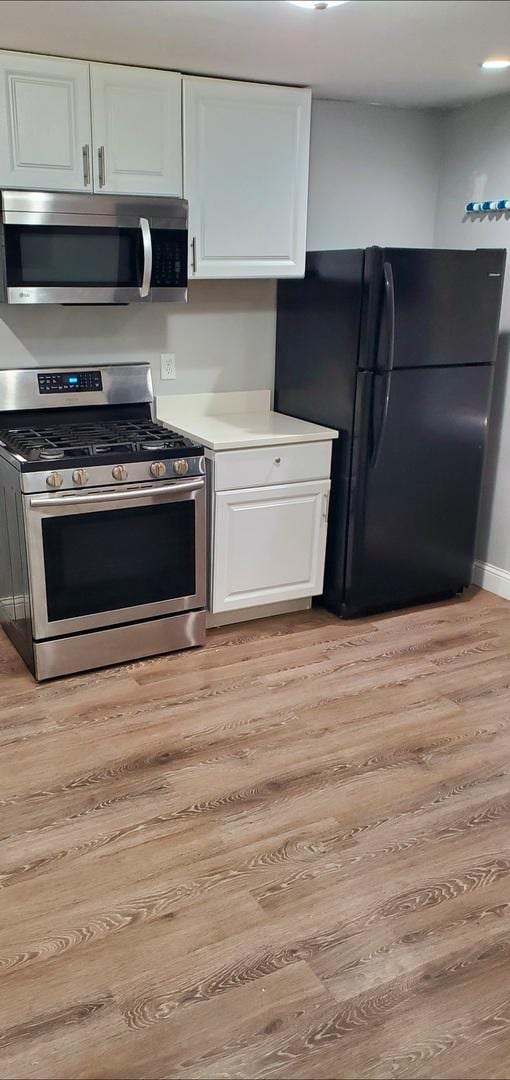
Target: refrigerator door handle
(376,449)
(389,308)
(359,466)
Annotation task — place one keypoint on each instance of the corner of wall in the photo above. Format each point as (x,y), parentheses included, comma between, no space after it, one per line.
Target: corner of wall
(442,123)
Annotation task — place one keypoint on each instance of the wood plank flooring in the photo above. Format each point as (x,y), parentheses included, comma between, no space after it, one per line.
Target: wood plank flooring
(285,855)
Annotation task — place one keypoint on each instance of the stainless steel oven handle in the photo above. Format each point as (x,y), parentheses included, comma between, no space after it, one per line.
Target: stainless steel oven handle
(118,496)
(147,256)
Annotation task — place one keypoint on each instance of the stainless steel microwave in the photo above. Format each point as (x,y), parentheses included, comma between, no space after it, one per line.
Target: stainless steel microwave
(61,248)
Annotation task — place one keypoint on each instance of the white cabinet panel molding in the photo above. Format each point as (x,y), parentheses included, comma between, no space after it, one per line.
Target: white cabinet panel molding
(246,149)
(269,544)
(136,120)
(45,131)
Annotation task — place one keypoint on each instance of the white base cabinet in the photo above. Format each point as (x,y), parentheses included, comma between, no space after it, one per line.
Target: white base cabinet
(268,523)
(269,544)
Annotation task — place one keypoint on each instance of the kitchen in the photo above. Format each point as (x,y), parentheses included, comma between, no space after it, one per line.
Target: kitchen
(128,540)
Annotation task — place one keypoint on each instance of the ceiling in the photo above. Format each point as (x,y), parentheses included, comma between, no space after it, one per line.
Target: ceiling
(402,52)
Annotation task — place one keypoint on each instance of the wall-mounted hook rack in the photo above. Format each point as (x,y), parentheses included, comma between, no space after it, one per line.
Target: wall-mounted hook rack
(486,206)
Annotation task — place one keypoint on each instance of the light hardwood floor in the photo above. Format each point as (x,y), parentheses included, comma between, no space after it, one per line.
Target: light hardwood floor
(285,855)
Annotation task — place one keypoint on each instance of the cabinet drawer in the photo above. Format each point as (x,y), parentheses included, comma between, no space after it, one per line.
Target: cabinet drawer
(266,465)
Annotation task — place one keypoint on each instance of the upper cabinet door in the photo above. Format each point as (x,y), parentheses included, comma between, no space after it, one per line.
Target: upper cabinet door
(44,123)
(246,150)
(136,121)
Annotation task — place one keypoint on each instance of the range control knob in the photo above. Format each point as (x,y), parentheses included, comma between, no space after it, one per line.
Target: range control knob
(80,477)
(119,472)
(54,480)
(181,467)
(158,469)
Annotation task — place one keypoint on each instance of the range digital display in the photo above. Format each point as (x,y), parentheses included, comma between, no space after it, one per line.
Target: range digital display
(64,382)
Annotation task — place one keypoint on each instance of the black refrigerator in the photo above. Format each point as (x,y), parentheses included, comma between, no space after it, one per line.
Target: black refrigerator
(395,348)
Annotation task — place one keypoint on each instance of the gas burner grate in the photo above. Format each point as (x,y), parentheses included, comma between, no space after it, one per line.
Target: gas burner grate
(118,437)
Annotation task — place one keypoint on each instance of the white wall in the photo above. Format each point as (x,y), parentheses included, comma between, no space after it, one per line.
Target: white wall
(476,165)
(223,338)
(373,176)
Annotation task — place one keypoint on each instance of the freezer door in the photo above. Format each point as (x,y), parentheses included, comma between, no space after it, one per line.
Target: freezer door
(445,306)
(417,464)
(317,333)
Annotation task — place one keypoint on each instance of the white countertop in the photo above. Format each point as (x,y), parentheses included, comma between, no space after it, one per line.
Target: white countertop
(235,421)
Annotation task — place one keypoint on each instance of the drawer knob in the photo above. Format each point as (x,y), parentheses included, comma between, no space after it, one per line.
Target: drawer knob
(277,460)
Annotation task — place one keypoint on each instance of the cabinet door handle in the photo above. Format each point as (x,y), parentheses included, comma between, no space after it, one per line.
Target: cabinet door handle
(100,162)
(194,254)
(325,506)
(85,150)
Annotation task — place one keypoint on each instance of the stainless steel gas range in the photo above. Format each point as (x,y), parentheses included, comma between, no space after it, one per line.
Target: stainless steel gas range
(102,521)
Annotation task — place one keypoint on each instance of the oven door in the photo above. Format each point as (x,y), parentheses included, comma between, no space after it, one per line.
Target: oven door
(105,558)
(92,259)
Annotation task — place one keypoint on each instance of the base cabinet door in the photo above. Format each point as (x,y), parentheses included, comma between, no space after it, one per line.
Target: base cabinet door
(269,544)
(246,149)
(136,122)
(45,135)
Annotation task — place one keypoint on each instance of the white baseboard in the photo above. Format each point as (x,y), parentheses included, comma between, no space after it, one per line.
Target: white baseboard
(492,578)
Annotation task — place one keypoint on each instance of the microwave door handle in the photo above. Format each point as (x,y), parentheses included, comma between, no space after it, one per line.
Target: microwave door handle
(147,256)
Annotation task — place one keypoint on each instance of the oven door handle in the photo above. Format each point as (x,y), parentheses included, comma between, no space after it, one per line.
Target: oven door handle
(118,496)
(147,256)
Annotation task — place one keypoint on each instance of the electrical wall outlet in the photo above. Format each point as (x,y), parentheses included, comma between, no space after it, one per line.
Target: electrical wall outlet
(168,370)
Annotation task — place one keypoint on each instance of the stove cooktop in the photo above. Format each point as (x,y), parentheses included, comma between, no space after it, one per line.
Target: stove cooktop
(81,443)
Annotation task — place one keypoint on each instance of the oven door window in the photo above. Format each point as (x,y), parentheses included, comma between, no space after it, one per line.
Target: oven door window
(66,255)
(115,559)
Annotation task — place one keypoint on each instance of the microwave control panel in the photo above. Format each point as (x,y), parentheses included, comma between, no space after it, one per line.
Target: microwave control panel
(65,382)
(169,251)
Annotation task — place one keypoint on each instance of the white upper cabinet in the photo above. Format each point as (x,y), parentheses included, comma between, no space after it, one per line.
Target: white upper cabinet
(67,125)
(134,146)
(246,150)
(44,123)
(136,123)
